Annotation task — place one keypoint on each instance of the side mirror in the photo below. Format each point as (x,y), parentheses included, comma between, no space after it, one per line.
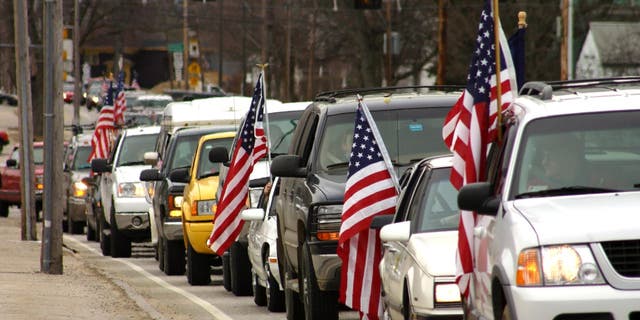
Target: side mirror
(180,175)
(219,154)
(12,163)
(380,221)
(150,175)
(100,165)
(400,231)
(258,183)
(288,166)
(151,158)
(255,214)
(478,197)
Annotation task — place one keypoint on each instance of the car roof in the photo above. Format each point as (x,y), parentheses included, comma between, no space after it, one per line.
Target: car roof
(195,131)
(155,97)
(288,106)
(142,130)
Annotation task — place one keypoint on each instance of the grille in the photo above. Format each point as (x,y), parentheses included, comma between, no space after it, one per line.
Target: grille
(624,256)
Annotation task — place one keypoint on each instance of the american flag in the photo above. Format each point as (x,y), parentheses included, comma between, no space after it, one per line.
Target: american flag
(252,147)
(121,102)
(371,190)
(471,125)
(101,140)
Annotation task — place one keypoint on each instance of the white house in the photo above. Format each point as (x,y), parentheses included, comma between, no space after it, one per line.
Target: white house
(610,49)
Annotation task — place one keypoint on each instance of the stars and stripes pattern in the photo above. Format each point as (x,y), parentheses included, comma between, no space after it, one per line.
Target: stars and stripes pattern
(472,124)
(252,146)
(120,102)
(101,140)
(371,190)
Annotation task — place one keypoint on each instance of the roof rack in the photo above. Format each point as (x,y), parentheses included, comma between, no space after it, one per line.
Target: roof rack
(545,89)
(331,96)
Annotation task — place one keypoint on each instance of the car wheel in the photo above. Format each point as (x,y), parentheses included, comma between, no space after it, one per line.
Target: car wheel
(4,209)
(75,227)
(160,252)
(120,244)
(294,305)
(259,292)
(105,240)
(317,304)
(198,270)
(91,233)
(226,271)
(275,296)
(173,257)
(240,270)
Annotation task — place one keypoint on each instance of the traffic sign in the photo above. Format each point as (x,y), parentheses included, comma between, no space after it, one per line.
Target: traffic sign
(194,67)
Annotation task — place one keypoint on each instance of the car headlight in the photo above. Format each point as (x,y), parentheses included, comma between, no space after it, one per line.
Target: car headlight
(79,189)
(39,183)
(327,222)
(446,293)
(130,190)
(95,99)
(203,207)
(558,265)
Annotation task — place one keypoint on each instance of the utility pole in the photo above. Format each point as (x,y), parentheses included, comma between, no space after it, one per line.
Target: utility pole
(185,43)
(77,92)
(51,256)
(564,57)
(23,72)
(442,41)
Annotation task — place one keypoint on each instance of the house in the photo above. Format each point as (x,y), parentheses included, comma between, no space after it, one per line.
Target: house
(610,49)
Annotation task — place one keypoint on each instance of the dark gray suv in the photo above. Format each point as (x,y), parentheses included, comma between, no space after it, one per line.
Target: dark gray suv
(314,173)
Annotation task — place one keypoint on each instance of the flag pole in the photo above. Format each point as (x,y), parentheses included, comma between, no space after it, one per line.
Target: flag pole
(262,67)
(498,56)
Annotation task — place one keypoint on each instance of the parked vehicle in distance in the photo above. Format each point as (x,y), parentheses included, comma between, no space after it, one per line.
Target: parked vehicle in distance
(418,268)
(261,249)
(199,205)
(125,216)
(93,94)
(76,169)
(10,179)
(556,233)
(314,173)
(167,195)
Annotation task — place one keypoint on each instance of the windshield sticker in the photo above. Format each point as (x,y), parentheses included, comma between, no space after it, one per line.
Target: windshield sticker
(415,127)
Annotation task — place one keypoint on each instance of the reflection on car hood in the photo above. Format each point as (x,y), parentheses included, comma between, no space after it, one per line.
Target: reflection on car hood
(332,187)
(583,218)
(130,173)
(441,245)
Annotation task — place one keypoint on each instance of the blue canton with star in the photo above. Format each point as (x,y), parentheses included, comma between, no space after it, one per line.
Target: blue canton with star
(364,150)
(108,99)
(257,103)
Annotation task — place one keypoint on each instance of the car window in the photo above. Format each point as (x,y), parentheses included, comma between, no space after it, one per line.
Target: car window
(38,155)
(80,159)
(206,167)
(436,206)
(133,149)
(409,136)
(281,128)
(597,150)
(183,153)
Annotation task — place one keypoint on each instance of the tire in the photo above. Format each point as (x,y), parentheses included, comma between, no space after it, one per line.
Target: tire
(120,244)
(174,263)
(259,292)
(240,270)
(4,209)
(198,270)
(75,227)
(294,306)
(275,296)
(317,304)
(105,240)
(91,233)
(160,252)
(226,271)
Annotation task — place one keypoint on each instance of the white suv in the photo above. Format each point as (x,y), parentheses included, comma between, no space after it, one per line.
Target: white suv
(125,209)
(561,243)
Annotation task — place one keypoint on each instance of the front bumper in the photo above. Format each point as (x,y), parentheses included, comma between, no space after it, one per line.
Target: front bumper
(76,209)
(581,302)
(172,230)
(326,264)
(133,222)
(197,234)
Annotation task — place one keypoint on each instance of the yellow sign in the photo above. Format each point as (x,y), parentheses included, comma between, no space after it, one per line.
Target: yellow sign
(194,67)
(193,81)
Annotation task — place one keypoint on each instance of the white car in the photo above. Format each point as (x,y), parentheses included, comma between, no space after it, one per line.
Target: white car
(125,215)
(418,264)
(560,244)
(262,251)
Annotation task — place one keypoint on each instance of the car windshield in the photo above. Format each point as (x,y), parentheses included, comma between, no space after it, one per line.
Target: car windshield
(281,127)
(205,167)
(577,154)
(80,159)
(436,208)
(183,153)
(409,136)
(38,155)
(133,149)
(157,104)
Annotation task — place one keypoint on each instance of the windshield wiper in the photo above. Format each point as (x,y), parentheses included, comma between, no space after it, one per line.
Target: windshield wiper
(564,191)
(338,165)
(131,163)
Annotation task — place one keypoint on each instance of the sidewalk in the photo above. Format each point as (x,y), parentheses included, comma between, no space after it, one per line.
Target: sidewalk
(81,292)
